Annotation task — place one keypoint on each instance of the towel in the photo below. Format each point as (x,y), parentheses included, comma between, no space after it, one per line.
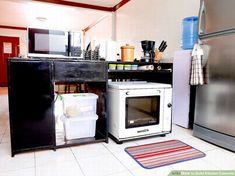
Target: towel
(198,73)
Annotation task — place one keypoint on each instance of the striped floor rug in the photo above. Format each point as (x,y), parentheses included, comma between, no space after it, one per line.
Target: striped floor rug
(163,153)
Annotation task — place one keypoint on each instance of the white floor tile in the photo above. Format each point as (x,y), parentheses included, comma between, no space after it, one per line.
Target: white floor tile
(199,144)
(101,165)
(117,148)
(5,150)
(2,129)
(6,138)
(127,173)
(7,132)
(20,161)
(221,158)
(196,164)
(67,168)
(21,172)
(50,156)
(127,160)
(161,171)
(178,134)
(1,136)
(153,140)
(89,150)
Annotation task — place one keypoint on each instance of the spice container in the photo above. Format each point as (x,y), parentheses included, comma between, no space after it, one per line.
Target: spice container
(112,66)
(127,67)
(119,66)
(134,67)
(127,53)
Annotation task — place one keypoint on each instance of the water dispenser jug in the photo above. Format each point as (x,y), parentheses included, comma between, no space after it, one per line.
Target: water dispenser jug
(189,32)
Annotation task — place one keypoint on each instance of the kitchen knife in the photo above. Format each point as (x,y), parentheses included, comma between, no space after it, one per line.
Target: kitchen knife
(161,45)
(164,47)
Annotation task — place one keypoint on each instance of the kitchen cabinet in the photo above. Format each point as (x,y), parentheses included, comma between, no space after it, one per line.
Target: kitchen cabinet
(161,73)
(31,97)
(31,100)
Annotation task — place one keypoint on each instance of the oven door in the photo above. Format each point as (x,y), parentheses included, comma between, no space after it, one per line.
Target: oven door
(143,112)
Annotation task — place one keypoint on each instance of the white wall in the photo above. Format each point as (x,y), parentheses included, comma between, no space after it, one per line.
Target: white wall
(100,34)
(137,20)
(101,31)
(154,20)
(22,34)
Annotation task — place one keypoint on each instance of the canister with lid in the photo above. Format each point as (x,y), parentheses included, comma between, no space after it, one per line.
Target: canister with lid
(127,53)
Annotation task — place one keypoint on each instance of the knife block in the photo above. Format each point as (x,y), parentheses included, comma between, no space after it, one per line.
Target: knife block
(158,55)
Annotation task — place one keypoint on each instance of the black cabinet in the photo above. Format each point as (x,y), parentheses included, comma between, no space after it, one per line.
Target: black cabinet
(31,100)
(161,72)
(31,96)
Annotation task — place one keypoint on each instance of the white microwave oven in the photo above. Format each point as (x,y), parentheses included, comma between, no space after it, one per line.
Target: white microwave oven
(139,109)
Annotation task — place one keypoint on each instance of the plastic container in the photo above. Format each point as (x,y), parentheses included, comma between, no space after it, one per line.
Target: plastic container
(134,67)
(112,66)
(189,32)
(127,67)
(127,53)
(78,127)
(80,104)
(120,66)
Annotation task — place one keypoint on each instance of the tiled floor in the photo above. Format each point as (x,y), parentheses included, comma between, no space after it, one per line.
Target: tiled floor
(101,159)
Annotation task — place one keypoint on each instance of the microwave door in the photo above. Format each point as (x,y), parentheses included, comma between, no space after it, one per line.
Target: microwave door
(216,16)
(75,44)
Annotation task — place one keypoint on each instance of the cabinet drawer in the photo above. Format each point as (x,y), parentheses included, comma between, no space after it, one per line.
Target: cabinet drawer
(79,71)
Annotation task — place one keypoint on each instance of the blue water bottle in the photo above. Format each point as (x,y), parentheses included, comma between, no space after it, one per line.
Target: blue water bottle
(189,32)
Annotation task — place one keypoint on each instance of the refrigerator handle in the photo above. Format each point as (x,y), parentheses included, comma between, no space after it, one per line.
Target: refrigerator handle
(202,18)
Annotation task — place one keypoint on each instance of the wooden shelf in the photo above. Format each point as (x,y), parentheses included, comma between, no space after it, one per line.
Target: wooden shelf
(162,73)
(140,71)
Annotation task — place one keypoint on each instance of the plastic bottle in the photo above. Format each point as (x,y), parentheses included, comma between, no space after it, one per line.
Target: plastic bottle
(189,32)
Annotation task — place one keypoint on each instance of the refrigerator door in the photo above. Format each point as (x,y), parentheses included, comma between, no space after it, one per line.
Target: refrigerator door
(215,101)
(216,15)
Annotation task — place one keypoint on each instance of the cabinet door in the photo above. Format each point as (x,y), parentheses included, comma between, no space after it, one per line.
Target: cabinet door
(31,105)
(80,71)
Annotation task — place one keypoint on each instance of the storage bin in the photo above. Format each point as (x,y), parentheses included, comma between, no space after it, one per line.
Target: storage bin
(78,127)
(80,104)
(189,32)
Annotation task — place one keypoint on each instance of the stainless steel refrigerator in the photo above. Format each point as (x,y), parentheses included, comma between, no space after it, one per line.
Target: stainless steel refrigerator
(215,101)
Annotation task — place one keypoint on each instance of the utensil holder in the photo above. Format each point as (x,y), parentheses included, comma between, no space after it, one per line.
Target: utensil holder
(158,56)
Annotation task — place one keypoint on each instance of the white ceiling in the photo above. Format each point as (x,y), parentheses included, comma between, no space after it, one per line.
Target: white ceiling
(105,3)
(23,13)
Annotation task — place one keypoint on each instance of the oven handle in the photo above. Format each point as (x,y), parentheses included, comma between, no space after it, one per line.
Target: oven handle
(144,93)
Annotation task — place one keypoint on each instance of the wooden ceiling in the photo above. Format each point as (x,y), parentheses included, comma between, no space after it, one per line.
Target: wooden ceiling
(103,5)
